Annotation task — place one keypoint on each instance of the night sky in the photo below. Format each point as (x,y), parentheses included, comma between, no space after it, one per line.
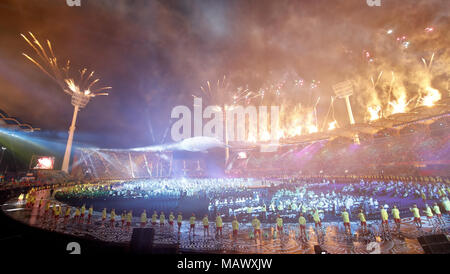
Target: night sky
(156,54)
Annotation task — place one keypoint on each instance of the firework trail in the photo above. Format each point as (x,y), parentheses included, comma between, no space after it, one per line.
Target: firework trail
(48,63)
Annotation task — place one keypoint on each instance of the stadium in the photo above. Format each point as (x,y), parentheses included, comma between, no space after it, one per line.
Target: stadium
(279,159)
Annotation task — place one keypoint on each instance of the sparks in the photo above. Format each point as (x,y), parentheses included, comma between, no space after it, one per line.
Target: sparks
(432,96)
(332,125)
(374,112)
(48,63)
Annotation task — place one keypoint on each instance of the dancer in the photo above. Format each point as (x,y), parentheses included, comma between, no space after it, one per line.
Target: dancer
(396,214)
(362,219)
(179,221)
(103,216)
(76,217)
(346,220)
(129,219)
(429,214)
(67,215)
(123,216)
(416,214)
(316,218)
(154,217)
(162,219)
(235,225)
(82,212)
(90,212)
(302,225)
(171,218)
(144,218)
(437,210)
(219,224)
(112,217)
(279,223)
(256,226)
(384,219)
(192,224)
(205,225)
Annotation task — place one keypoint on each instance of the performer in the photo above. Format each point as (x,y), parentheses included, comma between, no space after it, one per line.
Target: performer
(179,221)
(171,218)
(316,218)
(446,204)
(205,225)
(123,216)
(154,217)
(57,212)
(219,224)
(362,219)
(82,212)
(47,207)
(76,218)
(279,223)
(384,218)
(437,210)
(67,215)
(302,225)
(162,219)
(396,214)
(416,214)
(256,226)
(129,219)
(103,216)
(264,211)
(424,197)
(429,214)
(192,224)
(235,225)
(346,220)
(112,217)
(90,212)
(144,218)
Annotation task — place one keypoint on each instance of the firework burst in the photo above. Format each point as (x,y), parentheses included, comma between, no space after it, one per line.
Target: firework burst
(222,94)
(48,63)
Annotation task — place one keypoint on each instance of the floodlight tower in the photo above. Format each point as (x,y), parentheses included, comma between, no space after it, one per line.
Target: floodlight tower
(344,90)
(81,91)
(79,101)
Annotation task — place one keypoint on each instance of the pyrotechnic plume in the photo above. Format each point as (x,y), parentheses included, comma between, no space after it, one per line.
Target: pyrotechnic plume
(429,64)
(375,83)
(222,94)
(332,125)
(374,112)
(48,63)
(399,105)
(432,96)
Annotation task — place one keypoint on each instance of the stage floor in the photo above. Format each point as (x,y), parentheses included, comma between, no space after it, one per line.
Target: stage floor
(334,240)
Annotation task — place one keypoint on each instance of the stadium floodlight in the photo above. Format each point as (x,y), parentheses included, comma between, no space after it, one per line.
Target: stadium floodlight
(344,90)
(81,90)
(79,100)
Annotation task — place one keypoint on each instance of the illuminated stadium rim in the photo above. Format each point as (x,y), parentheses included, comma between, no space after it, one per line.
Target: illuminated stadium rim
(348,132)
(420,114)
(22,126)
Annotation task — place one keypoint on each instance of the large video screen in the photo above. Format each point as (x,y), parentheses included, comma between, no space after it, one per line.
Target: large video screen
(44,162)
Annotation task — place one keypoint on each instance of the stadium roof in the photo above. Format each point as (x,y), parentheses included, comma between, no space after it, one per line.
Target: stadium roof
(14,123)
